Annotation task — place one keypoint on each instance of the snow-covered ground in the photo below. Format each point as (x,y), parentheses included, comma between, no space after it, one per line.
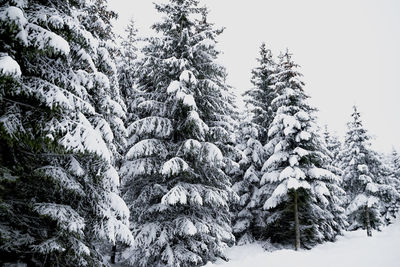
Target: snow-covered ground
(354,249)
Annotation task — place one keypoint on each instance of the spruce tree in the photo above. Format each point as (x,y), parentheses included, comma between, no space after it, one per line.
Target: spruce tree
(297,187)
(248,216)
(394,162)
(333,145)
(364,179)
(126,62)
(389,191)
(61,134)
(173,176)
(259,98)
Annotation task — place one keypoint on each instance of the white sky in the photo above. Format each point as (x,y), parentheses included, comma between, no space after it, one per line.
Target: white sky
(349,51)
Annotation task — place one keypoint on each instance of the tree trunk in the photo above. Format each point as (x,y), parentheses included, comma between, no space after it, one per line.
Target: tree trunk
(367,222)
(113,253)
(296,222)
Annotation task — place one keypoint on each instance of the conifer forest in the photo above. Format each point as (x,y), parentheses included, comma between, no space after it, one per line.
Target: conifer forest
(133,151)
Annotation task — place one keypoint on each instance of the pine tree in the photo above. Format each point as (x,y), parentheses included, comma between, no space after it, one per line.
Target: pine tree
(217,103)
(389,184)
(364,179)
(395,163)
(248,218)
(173,176)
(261,95)
(126,62)
(61,134)
(334,147)
(393,178)
(296,185)
(333,144)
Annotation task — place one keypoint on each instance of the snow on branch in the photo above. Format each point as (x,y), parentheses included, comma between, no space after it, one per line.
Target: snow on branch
(197,124)
(62,178)
(64,215)
(185,226)
(276,197)
(187,77)
(361,201)
(320,173)
(48,246)
(210,153)
(44,39)
(270,177)
(190,146)
(85,138)
(156,126)
(9,67)
(147,148)
(174,166)
(134,168)
(178,194)
(293,183)
(214,198)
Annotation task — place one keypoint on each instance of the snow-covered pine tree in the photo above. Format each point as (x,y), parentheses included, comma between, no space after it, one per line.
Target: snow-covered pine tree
(173,178)
(217,103)
(260,97)
(333,145)
(61,132)
(248,218)
(126,62)
(389,185)
(394,162)
(302,205)
(364,179)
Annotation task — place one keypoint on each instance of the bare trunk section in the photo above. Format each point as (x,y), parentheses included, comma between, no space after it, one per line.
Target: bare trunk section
(113,253)
(296,222)
(367,222)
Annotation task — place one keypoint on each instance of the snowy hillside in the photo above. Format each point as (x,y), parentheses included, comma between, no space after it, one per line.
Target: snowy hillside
(351,250)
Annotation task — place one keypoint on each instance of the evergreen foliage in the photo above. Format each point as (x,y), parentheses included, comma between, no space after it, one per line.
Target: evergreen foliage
(296,186)
(333,145)
(61,134)
(174,181)
(259,98)
(395,163)
(248,215)
(393,178)
(126,63)
(64,83)
(364,178)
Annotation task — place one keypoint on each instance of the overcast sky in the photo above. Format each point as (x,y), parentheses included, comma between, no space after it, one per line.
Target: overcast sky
(349,52)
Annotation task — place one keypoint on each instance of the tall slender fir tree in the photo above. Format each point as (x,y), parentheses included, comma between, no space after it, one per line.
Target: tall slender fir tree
(394,161)
(248,215)
(259,98)
(364,178)
(303,209)
(174,182)
(333,145)
(126,62)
